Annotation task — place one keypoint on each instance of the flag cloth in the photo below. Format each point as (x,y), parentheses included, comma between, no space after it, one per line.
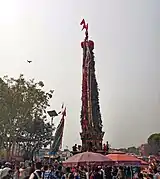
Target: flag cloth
(85,26)
(64,112)
(57,144)
(82,22)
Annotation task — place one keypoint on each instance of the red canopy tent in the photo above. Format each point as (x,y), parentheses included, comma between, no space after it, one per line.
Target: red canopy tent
(143,163)
(125,159)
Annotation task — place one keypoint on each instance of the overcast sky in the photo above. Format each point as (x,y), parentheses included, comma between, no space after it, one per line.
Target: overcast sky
(127,50)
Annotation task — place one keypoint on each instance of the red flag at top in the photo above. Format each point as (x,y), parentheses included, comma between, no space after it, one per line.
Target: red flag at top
(85,26)
(82,22)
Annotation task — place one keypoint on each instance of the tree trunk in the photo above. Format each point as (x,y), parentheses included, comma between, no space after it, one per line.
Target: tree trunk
(8,157)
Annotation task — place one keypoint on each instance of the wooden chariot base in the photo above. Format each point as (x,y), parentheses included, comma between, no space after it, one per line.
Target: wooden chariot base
(91,142)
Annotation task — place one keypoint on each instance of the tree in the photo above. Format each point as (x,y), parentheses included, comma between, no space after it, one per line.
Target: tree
(36,136)
(154,143)
(23,113)
(133,150)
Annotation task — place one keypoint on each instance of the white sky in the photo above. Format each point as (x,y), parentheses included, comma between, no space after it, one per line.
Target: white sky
(127,50)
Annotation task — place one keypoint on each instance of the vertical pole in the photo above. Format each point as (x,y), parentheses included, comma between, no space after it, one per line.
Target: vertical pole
(90,93)
(52,120)
(52,132)
(89,86)
(131,172)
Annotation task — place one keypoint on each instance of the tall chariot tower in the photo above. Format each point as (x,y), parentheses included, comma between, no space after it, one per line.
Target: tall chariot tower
(91,122)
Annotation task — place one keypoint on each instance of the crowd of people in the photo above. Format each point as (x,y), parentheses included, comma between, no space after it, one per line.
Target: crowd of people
(57,171)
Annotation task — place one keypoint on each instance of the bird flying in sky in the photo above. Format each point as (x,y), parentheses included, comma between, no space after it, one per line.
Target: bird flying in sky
(29,61)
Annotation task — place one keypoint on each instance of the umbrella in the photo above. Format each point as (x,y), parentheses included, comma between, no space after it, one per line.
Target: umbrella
(124,159)
(87,158)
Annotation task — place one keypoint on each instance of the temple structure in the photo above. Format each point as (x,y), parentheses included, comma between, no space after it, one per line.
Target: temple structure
(91,122)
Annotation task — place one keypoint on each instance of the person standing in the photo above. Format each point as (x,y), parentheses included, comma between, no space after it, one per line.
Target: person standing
(37,173)
(16,173)
(157,173)
(82,173)
(22,171)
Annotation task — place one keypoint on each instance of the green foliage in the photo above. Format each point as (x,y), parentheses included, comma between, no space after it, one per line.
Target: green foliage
(23,113)
(96,114)
(154,143)
(133,150)
(154,138)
